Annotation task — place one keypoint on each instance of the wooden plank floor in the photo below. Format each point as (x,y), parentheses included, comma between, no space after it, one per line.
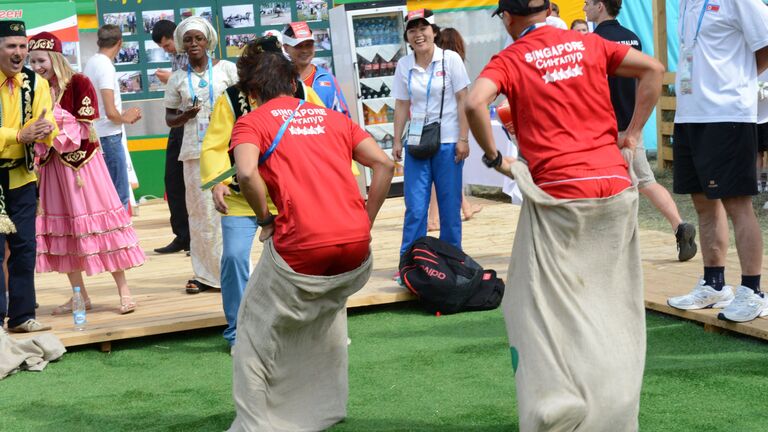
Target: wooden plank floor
(165,308)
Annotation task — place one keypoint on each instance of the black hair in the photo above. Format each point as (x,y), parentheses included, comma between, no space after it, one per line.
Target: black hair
(163,29)
(611,6)
(413,24)
(266,75)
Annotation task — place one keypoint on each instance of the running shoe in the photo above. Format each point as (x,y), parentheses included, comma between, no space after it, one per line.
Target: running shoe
(686,241)
(703,297)
(745,307)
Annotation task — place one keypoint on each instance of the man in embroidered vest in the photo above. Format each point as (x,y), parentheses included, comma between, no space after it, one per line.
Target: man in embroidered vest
(26,119)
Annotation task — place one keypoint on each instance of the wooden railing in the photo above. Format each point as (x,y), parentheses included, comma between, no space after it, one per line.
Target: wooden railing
(665,121)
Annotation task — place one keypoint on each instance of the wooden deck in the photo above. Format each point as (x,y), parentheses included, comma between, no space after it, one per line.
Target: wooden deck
(158,286)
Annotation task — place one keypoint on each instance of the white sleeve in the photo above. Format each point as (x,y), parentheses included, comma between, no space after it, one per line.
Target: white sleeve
(400,82)
(752,16)
(457,71)
(232,78)
(172,96)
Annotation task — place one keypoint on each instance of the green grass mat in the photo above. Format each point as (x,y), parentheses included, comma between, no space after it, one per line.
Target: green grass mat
(408,372)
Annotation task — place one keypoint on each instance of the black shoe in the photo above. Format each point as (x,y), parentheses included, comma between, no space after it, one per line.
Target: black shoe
(173,247)
(686,241)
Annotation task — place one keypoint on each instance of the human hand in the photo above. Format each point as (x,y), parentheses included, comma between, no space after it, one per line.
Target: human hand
(506,166)
(36,131)
(131,115)
(191,113)
(267,232)
(219,192)
(629,140)
(397,151)
(163,75)
(462,150)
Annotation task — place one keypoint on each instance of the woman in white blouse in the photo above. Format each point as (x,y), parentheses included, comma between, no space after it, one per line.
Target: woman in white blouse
(444,74)
(189,98)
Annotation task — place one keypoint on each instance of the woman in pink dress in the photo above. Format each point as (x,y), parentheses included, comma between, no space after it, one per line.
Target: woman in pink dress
(81,224)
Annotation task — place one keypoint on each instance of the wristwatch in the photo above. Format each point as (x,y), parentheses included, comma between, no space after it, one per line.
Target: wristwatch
(269,220)
(493,163)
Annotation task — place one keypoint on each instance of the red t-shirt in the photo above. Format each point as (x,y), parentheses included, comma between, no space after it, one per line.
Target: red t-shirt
(561,106)
(308,175)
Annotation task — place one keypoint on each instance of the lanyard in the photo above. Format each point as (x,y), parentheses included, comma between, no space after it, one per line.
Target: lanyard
(429,85)
(530,29)
(698,27)
(279,135)
(192,93)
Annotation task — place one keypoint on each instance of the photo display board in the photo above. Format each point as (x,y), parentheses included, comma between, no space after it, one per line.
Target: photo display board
(237,22)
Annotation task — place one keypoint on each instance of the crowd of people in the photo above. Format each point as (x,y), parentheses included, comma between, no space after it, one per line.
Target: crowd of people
(238,137)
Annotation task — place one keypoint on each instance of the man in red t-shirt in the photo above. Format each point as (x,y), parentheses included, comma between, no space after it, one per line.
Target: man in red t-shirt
(575,319)
(569,144)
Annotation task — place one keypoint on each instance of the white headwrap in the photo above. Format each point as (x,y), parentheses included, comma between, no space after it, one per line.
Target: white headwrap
(195,23)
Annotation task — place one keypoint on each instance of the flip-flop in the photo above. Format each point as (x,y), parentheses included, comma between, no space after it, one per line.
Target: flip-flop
(196,287)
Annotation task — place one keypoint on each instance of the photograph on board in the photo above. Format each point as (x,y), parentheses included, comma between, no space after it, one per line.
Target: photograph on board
(274,13)
(125,20)
(155,54)
(155,84)
(322,39)
(150,18)
(203,12)
(129,82)
(238,16)
(72,54)
(128,54)
(311,10)
(236,43)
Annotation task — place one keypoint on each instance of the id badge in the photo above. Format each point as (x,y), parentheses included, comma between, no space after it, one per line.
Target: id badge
(202,126)
(685,70)
(416,127)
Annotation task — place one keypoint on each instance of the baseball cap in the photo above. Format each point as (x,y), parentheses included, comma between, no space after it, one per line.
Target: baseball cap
(420,14)
(296,33)
(519,7)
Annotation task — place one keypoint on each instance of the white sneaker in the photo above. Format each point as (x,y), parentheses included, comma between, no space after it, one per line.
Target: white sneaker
(703,297)
(745,307)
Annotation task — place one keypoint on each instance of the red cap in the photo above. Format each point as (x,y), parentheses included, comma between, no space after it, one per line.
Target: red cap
(45,41)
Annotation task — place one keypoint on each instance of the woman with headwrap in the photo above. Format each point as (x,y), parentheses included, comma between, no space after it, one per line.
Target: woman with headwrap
(189,100)
(81,223)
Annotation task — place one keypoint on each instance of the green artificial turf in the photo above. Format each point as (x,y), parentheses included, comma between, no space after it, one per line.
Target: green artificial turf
(408,372)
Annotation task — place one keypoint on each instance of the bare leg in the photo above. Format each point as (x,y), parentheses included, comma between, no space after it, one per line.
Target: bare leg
(467,208)
(126,300)
(433,222)
(749,239)
(713,230)
(662,200)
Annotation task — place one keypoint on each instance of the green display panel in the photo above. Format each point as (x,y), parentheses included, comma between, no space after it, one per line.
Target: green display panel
(237,22)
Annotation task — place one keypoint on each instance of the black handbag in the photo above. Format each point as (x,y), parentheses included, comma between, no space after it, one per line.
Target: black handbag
(430,133)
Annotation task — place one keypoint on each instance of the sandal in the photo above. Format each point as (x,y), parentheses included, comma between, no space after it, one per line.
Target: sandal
(66,308)
(127,307)
(196,287)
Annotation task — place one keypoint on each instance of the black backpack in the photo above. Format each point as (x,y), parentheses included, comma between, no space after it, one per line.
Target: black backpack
(448,281)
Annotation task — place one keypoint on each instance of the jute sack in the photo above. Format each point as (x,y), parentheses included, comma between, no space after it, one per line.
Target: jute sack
(574,311)
(290,359)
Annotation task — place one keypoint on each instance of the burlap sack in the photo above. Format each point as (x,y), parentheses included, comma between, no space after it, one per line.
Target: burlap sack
(290,359)
(574,312)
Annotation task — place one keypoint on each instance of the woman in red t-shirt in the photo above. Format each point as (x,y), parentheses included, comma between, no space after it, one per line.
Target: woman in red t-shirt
(302,152)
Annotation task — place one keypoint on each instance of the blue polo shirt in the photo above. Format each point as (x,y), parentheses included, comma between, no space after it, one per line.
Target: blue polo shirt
(622,89)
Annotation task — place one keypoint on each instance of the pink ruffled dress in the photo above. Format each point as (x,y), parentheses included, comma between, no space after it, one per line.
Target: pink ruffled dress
(81,224)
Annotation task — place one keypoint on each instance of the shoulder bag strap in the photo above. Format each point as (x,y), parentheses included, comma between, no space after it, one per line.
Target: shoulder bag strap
(442,95)
(279,135)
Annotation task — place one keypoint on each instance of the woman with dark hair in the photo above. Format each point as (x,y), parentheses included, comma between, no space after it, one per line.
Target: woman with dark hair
(189,99)
(81,224)
(430,87)
(238,222)
(580,26)
(290,359)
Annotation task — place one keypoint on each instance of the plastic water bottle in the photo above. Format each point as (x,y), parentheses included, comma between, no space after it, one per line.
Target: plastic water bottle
(78,309)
